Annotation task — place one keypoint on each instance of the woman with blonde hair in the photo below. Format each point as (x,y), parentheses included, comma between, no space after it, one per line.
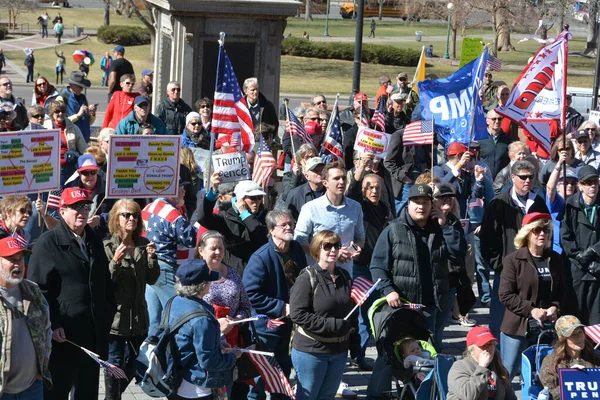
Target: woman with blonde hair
(16,212)
(188,159)
(531,288)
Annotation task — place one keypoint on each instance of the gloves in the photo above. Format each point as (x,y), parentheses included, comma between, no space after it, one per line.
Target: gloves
(586,257)
(342,325)
(71,156)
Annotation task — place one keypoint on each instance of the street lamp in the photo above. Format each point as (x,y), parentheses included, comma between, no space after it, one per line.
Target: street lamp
(450,8)
(326,33)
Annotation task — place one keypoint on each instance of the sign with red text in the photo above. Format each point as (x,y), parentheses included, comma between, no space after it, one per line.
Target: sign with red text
(143,166)
(372,141)
(29,162)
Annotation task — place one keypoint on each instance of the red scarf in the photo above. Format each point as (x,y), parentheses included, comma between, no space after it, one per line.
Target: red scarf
(64,144)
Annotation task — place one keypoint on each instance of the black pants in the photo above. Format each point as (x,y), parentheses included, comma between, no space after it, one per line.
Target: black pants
(122,352)
(29,74)
(79,371)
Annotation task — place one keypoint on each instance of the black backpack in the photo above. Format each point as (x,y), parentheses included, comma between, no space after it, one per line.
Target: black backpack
(157,365)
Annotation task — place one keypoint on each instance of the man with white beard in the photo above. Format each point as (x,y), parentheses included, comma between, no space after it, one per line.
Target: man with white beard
(26,337)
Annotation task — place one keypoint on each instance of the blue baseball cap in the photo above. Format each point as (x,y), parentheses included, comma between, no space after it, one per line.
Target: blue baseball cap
(195,271)
(141,99)
(146,71)
(119,49)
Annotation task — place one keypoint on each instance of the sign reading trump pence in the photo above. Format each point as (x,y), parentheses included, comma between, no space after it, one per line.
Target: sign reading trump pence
(233,167)
(372,141)
(143,166)
(579,384)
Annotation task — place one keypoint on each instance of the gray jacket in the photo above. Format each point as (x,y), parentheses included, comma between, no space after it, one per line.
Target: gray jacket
(469,381)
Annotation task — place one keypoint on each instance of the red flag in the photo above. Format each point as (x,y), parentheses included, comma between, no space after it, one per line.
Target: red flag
(264,164)
(273,376)
(418,133)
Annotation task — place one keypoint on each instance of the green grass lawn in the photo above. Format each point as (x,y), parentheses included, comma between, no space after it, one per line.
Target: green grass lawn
(89,19)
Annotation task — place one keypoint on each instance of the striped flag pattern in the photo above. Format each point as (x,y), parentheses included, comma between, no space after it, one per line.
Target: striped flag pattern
(112,369)
(273,376)
(230,111)
(54,199)
(593,333)
(415,306)
(272,323)
(332,149)
(362,289)
(21,240)
(264,164)
(418,133)
(493,63)
(364,120)
(378,119)
(294,127)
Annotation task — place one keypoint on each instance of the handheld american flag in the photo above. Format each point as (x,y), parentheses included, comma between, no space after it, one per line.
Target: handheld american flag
(364,119)
(230,112)
(272,323)
(273,376)
(493,63)
(112,369)
(54,199)
(362,289)
(264,164)
(593,333)
(294,127)
(379,115)
(418,132)
(332,149)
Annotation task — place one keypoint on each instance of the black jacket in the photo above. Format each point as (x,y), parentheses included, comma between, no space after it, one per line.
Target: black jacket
(242,238)
(267,113)
(300,196)
(501,222)
(173,115)
(394,123)
(396,262)
(348,140)
(404,162)
(495,155)
(78,289)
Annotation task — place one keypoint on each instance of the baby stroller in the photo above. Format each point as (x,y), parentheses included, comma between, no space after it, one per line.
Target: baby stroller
(390,325)
(531,363)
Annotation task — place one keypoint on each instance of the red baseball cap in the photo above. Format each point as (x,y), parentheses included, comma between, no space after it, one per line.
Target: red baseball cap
(456,148)
(534,216)
(74,195)
(9,246)
(360,96)
(480,336)
(313,128)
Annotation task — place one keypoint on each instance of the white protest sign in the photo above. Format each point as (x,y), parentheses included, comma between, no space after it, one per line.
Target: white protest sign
(233,167)
(372,141)
(143,166)
(200,155)
(29,162)
(595,116)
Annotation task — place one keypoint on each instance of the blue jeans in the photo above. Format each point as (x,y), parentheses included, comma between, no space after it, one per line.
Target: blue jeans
(496,308)
(318,375)
(33,392)
(158,294)
(364,328)
(105,75)
(436,323)
(280,345)
(483,272)
(403,197)
(447,313)
(511,348)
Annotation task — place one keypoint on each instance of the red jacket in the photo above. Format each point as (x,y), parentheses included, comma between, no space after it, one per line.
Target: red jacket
(120,106)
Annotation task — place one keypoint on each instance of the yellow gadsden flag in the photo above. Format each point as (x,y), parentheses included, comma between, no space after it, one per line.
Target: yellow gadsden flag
(420,72)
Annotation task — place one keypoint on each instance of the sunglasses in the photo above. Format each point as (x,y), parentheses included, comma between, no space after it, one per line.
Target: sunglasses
(445,199)
(590,129)
(590,182)
(526,177)
(583,141)
(539,229)
(127,215)
(320,102)
(7,84)
(175,90)
(38,116)
(329,246)
(59,112)
(496,119)
(254,198)
(571,182)
(88,173)
(27,211)
(41,84)
(286,225)
(564,148)
(203,106)
(128,83)
(81,207)
(195,123)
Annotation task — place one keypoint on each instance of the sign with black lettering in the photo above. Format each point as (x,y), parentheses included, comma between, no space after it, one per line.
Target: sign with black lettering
(233,167)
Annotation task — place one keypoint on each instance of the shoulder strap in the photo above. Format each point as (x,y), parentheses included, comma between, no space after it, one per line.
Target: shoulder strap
(186,317)
(312,276)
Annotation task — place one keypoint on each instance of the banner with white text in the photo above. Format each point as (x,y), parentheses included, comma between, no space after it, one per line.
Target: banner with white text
(372,141)
(579,384)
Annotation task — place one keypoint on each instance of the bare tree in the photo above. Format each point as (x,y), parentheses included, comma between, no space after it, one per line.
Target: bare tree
(16,8)
(106,21)
(148,18)
(308,13)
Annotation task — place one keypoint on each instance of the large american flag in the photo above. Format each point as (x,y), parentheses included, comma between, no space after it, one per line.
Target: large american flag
(264,164)
(332,149)
(294,127)
(593,333)
(493,63)
(54,199)
(230,111)
(273,376)
(379,115)
(362,289)
(112,369)
(418,133)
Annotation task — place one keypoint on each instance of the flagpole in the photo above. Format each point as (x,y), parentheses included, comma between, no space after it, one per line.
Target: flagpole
(212,136)
(287,123)
(368,294)
(432,144)
(563,116)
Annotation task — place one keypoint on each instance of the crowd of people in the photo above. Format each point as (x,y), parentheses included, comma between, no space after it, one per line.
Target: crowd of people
(99,273)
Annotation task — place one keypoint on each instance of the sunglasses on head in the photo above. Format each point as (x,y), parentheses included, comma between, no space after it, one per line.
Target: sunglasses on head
(88,173)
(329,246)
(526,177)
(539,229)
(127,215)
(27,211)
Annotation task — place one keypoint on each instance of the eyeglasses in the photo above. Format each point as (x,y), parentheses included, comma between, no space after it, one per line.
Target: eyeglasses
(329,246)
(564,148)
(88,173)
(175,90)
(127,215)
(27,211)
(37,116)
(7,84)
(203,106)
(496,119)
(539,229)
(320,102)
(254,198)
(128,83)
(526,177)
(59,112)
(286,225)
(195,123)
(373,188)
(81,207)
(590,129)
(590,182)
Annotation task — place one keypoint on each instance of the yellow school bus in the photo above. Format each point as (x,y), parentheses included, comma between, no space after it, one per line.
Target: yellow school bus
(405,9)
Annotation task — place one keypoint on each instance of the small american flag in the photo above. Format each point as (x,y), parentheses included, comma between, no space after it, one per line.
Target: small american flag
(54,199)
(332,149)
(418,133)
(415,306)
(112,369)
(264,164)
(230,111)
(273,376)
(493,63)
(379,115)
(21,240)
(294,127)
(272,323)
(593,333)
(362,289)
(364,120)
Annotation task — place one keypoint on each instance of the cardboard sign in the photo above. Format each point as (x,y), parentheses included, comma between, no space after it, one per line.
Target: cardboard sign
(233,167)
(143,166)
(579,384)
(372,141)
(471,49)
(29,162)
(595,116)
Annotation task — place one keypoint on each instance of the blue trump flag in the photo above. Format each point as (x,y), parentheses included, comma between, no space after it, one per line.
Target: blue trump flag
(451,101)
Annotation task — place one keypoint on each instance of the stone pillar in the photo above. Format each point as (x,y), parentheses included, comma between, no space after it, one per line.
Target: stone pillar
(186,46)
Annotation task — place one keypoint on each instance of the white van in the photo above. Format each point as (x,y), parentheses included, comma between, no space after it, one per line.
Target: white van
(582,99)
